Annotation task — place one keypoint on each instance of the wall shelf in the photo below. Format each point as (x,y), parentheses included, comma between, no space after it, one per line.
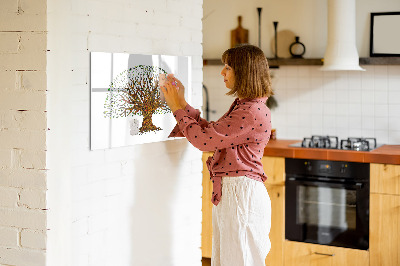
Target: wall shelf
(274,63)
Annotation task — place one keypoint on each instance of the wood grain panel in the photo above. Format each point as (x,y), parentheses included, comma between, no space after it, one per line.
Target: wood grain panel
(384,230)
(304,254)
(206,226)
(385,178)
(274,168)
(277,233)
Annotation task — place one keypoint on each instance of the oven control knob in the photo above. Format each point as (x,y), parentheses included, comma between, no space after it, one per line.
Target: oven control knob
(343,168)
(308,166)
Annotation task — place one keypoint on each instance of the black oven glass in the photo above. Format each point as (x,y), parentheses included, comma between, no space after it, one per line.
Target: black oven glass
(326,207)
(327,204)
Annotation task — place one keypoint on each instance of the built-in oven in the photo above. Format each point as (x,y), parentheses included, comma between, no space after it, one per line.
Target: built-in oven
(327,202)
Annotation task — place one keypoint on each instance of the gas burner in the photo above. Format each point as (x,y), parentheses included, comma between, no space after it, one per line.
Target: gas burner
(327,142)
(358,144)
(332,142)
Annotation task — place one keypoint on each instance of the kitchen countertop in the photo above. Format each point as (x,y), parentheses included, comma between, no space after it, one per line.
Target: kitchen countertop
(389,154)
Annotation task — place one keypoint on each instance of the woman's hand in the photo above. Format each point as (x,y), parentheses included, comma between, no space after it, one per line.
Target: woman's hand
(172,95)
(181,91)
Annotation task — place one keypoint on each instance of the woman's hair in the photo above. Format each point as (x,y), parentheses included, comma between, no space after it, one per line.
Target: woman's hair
(250,66)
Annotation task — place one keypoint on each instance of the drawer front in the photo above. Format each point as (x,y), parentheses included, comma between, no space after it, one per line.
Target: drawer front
(297,253)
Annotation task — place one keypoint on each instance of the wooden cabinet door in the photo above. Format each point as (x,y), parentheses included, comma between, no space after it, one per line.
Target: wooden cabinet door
(277,233)
(384,236)
(206,226)
(385,178)
(274,168)
(304,254)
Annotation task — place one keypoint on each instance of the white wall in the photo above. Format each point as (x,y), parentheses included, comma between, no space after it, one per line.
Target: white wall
(23,133)
(138,205)
(311,102)
(306,19)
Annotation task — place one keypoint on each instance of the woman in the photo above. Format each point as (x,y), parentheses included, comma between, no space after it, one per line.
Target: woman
(242,208)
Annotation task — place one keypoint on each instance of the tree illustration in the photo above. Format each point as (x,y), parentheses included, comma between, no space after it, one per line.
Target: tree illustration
(136,92)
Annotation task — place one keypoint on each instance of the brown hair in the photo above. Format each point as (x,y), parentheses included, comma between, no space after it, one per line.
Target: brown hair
(250,66)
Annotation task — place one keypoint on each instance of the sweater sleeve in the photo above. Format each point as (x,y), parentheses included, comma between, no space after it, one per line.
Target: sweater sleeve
(231,130)
(193,113)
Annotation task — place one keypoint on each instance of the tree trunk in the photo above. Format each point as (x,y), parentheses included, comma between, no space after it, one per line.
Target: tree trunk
(147,124)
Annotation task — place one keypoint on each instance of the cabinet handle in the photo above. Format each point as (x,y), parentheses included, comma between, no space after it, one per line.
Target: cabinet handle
(324,254)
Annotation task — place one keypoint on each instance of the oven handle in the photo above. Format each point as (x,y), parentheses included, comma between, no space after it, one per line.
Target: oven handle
(357,185)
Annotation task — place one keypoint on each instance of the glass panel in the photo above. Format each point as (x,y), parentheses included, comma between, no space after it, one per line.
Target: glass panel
(329,207)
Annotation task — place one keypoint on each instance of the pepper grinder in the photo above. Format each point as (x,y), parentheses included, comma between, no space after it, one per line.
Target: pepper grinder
(259,26)
(276,38)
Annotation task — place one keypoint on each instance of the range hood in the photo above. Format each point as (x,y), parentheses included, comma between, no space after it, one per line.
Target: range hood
(341,51)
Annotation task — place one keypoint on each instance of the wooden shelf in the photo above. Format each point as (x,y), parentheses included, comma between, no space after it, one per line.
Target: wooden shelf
(274,63)
(380,61)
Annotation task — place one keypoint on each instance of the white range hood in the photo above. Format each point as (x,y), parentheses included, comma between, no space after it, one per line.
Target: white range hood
(341,51)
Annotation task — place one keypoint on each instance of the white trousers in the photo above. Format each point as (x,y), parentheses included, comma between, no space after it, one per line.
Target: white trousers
(241,223)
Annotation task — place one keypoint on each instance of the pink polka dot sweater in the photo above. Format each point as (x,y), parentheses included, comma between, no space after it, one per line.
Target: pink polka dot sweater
(238,139)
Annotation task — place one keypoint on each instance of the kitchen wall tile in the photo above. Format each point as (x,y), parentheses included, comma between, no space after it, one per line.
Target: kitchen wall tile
(380,71)
(367,96)
(394,123)
(354,80)
(394,97)
(394,82)
(367,133)
(291,71)
(393,71)
(315,72)
(317,108)
(355,96)
(303,82)
(381,123)
(367,110)
(382,110)
(355,132)
(381,136)
(381,97)
(324,100)
(354,122)
(342,80)
(328,74)
(329,122)
(304,72)
(292,82)
(342,109)
(355,109)
(367,82)
(316,82)
(394,110)
(342,96)
(329,109)
(394,137)
(329,93)
(342,133)
(342,122)
(368,122)
(381,84)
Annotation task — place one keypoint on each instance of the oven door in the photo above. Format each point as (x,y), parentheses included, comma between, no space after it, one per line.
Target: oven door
(327,213)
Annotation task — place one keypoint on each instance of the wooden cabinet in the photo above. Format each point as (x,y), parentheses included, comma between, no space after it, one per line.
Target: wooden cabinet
(385,215)
(206,226)
(277,233)
(274,168)
(304,254)
(385,178)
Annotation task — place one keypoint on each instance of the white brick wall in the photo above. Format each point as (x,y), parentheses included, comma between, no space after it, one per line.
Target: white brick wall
(23,125)
(138,205)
